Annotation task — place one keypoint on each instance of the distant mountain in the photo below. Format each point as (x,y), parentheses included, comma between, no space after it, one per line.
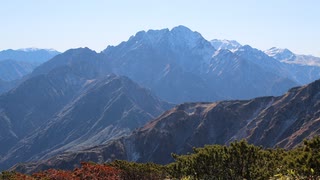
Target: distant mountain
(244,77)
(12,70)
(262,60)
(29,55)
(281,54)
(177,47)
(15,64)
(68,107)
(282,121)
(286,56)
(179,65)
(304,68)
(167,61)
(83,61)
(231,45)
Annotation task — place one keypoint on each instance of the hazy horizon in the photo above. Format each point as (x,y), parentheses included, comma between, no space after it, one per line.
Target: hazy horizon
(96,24)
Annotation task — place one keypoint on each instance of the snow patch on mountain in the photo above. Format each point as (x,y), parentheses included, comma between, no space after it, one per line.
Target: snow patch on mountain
(32,49)
(231,45)
(307,60)
(263,60)
(280,54)
(286,56)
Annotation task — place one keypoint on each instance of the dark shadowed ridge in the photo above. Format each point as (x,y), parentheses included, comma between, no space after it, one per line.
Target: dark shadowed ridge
(43,93)
(33,102)
(13,70)
(71,102)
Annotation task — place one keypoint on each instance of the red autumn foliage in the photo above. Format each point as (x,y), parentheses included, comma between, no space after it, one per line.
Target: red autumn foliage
(86,172)
(89,171)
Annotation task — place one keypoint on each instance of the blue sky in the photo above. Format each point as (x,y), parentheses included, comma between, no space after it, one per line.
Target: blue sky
(64,24)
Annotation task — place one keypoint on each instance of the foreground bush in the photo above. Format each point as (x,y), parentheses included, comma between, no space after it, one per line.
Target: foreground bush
(140,171)
(237,161)
(241,160)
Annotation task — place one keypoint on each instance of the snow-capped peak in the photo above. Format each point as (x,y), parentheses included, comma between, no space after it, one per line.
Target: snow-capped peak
(280,54)
(33,49)
(286,56)
(231,45)
(29,49)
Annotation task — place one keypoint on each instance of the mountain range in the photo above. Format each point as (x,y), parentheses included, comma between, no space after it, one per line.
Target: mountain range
(83,105)
(304,68)
(28,55)
(286,56)
(15,64)
(282,121)
(179,65)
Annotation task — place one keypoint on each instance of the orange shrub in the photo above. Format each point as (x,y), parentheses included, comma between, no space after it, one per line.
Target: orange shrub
(86,172)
